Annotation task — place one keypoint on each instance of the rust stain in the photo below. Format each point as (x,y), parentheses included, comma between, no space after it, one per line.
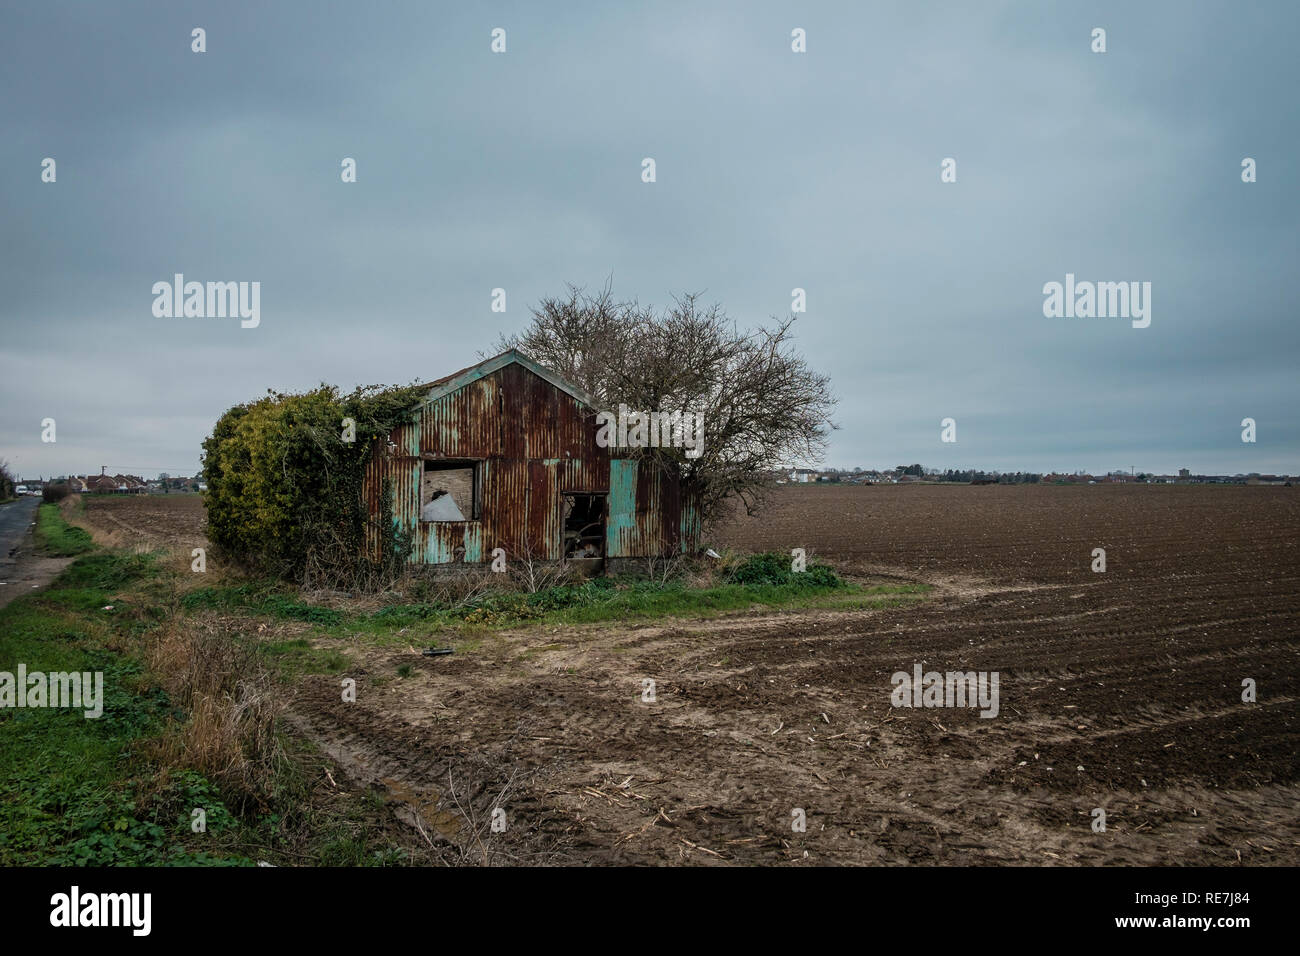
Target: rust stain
(534,442)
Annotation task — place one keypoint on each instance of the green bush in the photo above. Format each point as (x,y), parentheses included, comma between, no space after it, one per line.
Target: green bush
(774,568)
(284,490)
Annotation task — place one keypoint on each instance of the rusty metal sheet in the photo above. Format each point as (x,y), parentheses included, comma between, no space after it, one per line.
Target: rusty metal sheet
(532,441)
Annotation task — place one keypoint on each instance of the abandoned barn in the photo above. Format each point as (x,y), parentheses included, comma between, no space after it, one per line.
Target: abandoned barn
(504,455)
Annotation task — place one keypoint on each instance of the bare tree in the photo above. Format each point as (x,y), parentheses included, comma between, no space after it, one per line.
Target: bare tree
(763,406)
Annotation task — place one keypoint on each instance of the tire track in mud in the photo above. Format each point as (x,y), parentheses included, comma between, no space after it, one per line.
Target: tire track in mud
(444,790)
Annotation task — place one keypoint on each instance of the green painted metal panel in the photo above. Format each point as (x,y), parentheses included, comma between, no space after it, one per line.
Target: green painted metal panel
(621,529)
(474,542)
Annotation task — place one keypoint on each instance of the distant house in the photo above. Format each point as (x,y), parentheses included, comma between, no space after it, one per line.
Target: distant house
(101,484)
(130,484)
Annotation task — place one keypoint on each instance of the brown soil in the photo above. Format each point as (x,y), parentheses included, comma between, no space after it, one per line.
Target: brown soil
(1119,691)
(174,521)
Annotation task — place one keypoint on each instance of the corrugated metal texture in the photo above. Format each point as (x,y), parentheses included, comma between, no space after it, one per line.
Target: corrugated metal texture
(539,421)
(445,542)
(663,523)
(544,513)
(533,442)
(646,513)
(404,470)
(580,474)
(690,527)
(620,523)
(464,424)
(511,413)
(649,512)
(505,505)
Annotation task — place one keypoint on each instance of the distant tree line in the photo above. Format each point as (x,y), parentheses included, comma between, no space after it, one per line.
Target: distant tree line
(1002,478)
(934,474)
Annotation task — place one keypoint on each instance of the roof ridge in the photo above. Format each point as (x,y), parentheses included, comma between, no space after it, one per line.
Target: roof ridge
(459,379)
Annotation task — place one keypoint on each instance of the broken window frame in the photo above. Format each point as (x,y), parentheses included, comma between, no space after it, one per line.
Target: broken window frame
(475,466)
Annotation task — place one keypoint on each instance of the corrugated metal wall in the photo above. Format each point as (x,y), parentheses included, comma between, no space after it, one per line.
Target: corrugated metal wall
(535,442)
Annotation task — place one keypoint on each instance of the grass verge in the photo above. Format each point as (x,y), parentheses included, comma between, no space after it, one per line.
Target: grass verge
(185,765)
(55,537)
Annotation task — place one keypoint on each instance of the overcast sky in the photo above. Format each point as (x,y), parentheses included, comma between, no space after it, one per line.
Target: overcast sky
(775,170)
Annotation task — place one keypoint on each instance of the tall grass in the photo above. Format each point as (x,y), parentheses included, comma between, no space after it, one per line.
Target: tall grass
(231,707)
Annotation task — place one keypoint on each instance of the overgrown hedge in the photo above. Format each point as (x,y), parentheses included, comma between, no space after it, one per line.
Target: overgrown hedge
(284,489)
(55,491)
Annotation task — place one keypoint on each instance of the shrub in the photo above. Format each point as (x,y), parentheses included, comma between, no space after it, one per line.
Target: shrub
(774,568)
(284,490)
(55,491)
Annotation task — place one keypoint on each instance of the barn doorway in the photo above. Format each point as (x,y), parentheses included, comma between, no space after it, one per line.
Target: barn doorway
(584,529)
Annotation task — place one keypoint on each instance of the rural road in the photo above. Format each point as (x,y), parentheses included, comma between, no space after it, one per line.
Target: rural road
(15,520)
(21,571)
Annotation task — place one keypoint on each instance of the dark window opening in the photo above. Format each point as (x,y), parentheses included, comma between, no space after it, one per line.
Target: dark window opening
(584,526)
(449,491)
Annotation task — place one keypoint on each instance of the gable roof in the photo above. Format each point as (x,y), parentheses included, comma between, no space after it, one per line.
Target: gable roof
(458,380)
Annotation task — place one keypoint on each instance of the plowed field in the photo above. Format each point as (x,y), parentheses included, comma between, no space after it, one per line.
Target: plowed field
(1119,691)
